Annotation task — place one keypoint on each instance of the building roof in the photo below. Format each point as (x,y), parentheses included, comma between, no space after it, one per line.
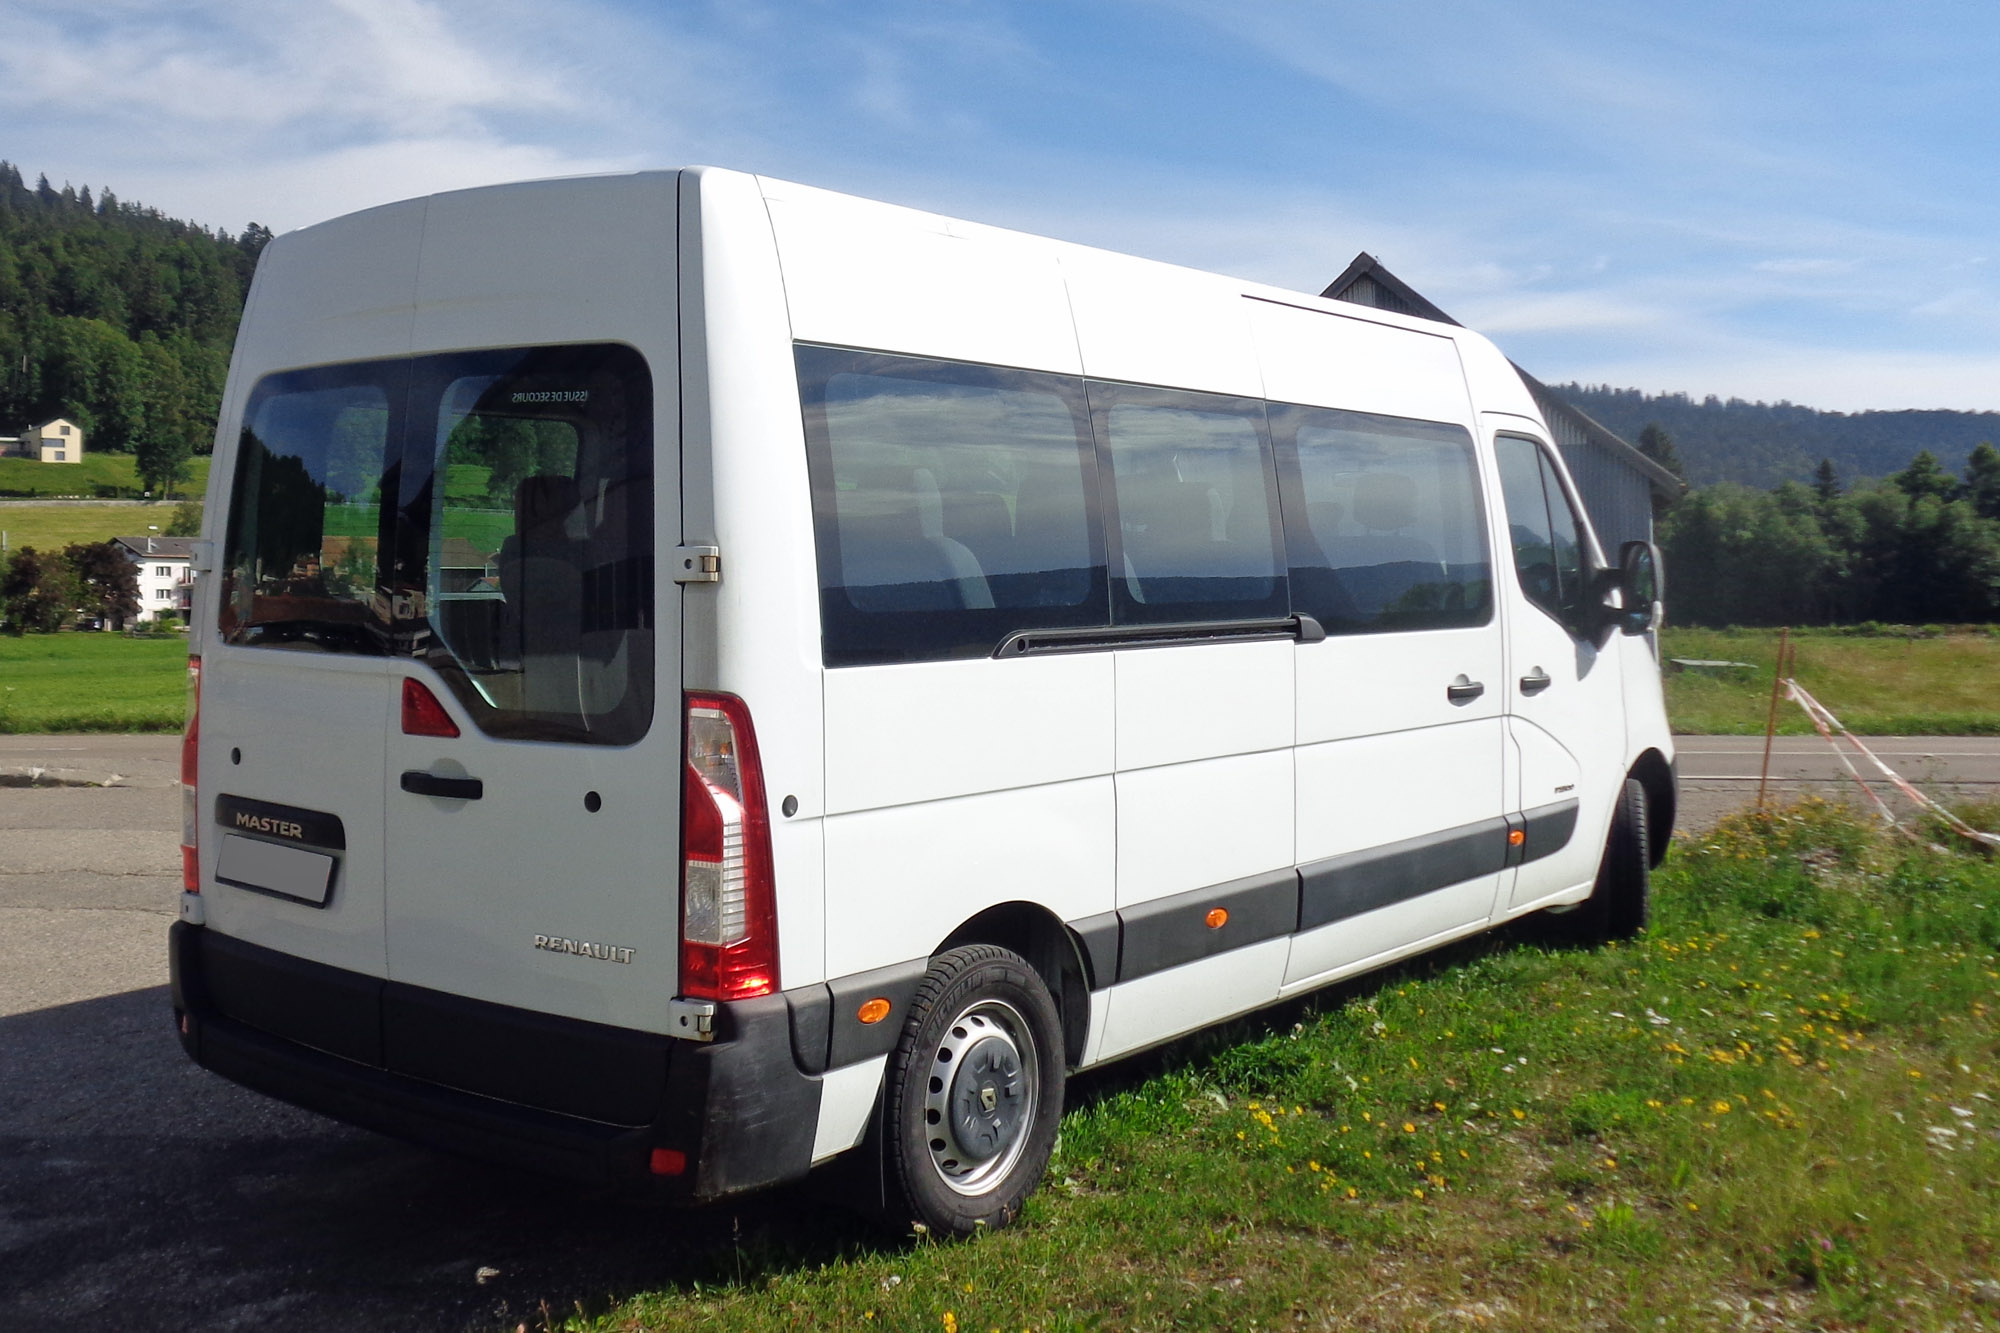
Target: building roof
(1367,282)
(158,548)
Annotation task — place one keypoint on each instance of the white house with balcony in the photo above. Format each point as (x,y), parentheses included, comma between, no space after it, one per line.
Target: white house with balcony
(54,441)
(165,571)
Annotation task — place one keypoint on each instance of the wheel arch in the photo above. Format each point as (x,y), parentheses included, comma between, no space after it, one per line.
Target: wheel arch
(1049,947)
(1657,776)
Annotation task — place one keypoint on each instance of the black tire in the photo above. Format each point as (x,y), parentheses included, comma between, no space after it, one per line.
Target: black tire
(974,1092)
(1620,905)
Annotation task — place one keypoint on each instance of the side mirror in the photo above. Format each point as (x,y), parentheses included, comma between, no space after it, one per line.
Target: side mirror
(1638,584)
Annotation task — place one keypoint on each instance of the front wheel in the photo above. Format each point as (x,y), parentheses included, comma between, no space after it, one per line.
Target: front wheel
(1621,902)
(974,1093)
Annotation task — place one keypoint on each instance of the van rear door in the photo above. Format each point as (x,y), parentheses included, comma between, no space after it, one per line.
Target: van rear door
(298,679)
(532,778)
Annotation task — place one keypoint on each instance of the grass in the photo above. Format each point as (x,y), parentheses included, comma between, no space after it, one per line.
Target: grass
(53,526)
(1879,681)
(98,476)
(1779,1108)
(91,682)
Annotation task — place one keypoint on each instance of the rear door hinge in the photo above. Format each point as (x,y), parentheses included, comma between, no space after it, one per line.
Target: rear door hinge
(692,1020)
(697,564)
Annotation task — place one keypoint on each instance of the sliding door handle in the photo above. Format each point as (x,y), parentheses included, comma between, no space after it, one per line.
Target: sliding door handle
(1464,691)
(432,784)
(1536,681)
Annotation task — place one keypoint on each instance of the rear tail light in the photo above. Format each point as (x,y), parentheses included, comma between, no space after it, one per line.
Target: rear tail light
(423,715)
(729,914)
(190,762)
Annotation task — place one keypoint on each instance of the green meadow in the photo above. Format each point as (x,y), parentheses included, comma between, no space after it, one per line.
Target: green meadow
(1779,1108)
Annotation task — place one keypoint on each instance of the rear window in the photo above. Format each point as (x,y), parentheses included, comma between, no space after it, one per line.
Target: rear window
(489,512)
(953,505)
(307,525)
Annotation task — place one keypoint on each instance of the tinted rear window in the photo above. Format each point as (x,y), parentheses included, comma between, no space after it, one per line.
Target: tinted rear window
(490,512)
(307,526)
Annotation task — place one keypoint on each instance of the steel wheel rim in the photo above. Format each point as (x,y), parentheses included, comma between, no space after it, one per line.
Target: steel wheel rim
(981,1096)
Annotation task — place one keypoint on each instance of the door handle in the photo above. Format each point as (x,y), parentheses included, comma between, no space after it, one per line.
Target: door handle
(1463,691)
(432,784)
(1536,681)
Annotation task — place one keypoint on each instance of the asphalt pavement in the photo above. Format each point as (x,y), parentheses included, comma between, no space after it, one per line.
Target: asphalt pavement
(1722,773)
(138,1191)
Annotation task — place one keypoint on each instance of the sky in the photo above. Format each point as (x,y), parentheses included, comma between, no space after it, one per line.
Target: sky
(1774,200)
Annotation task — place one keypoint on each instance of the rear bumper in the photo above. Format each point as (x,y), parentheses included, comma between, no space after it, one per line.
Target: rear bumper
(588,1102)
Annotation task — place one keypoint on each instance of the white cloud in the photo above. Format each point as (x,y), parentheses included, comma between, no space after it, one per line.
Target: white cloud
(291,113)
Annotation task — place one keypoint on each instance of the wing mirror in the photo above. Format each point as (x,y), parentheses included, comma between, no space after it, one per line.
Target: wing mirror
(1637,580)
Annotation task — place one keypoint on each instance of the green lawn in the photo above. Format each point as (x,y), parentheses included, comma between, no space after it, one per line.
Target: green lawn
(1777,1109)
(91,682)
(1884,684)
(54,526)
(98,476)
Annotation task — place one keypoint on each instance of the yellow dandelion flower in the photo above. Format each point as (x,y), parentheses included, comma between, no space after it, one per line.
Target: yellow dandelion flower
(1720,1108)
(1409,1128)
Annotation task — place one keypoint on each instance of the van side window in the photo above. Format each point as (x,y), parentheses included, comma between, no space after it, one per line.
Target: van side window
(307,527)
(952,505)
(1546,534)
(1392,535)
(1194,501)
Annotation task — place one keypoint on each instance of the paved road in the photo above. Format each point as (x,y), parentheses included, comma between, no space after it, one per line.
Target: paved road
(139,1192)
(1720,773)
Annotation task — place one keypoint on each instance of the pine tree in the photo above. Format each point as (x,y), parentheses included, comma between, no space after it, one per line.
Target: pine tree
(1826,484)
(1656,444)
(1982,480)
(1925,478)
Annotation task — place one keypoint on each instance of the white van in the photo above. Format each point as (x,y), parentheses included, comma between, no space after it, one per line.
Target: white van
(696,675)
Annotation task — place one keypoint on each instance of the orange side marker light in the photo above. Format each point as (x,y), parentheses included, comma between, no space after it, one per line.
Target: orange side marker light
(1217,917)
(873,1011)
(1516,836)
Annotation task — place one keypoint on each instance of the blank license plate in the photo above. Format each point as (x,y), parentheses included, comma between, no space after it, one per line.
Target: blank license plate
(269,867)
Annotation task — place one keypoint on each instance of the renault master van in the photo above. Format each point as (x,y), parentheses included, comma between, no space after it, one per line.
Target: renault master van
(694,676)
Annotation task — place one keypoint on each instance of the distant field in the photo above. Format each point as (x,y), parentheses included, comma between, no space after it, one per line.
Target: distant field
(91,682)
(54,526)
(98,476)
(1885,684)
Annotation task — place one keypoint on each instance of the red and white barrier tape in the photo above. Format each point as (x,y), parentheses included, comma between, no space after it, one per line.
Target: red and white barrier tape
(1828,724)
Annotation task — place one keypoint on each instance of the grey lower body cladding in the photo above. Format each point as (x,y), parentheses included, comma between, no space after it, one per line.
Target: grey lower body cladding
(1169,932)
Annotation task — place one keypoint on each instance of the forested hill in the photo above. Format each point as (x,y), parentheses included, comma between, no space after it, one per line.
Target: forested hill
(1762,444)
(115,316)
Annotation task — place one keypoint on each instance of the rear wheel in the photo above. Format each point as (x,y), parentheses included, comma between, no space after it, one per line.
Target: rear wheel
(1621,902)
(974,1093)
